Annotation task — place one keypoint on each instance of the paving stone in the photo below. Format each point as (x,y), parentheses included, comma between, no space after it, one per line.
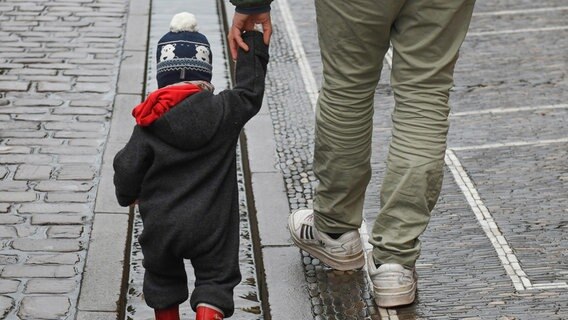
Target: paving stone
(101,286)
(30,158)
(10,219)
(69,150)
(86,142)
(95,79)
(56,66)
(42,117)
(25,231)
(15,150)
(18,196)
(7,77)
(68,55)
(80,111)
(38,102)
(91,72)
(67,197)
(8,286)
(24,110)
(56,219)
(30,172)
(33,142)
(39,271)
(50,286)
(52,208)
(93,118)
(8,258)
(53,259)
(50,79)
(64,232)
(76,172)
(29,125)
(38,307)
(74,126)
(53,87)
(93,87)
(31,59)
(13,186)
(63,186)
(21,134)
(77,135)
(6,305)
(5,207)
(90,104)
(94,315)
(8,232)
(47,245)
(32,72)
(14,86)
(78,159)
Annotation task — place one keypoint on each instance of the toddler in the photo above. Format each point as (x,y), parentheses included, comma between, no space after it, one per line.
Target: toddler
(179,166)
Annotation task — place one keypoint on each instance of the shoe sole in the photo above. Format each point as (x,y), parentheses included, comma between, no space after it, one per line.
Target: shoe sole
(351,262)
(389,300)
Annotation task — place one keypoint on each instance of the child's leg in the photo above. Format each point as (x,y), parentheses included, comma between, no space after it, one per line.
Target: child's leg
(208,312)
(171,313)
(217,273)
(165,280)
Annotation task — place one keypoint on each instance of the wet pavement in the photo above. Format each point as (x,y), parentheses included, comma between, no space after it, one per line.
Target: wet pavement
(70,70)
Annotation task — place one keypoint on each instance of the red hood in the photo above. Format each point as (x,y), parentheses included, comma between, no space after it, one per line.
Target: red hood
(160,101)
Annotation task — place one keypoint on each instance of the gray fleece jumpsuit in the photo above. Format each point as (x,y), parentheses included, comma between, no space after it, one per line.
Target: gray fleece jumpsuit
(182,169)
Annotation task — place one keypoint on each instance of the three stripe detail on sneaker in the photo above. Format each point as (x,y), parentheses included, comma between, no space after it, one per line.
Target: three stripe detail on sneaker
(307,232)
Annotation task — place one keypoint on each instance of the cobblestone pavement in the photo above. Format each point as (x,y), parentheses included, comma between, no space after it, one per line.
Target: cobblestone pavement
(496,245)
(58,69)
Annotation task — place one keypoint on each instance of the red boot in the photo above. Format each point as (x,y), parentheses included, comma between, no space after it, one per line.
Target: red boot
(171,313)
(208,312)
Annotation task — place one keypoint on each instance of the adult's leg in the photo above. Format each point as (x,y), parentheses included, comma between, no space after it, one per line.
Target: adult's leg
(354,37)
(426,38)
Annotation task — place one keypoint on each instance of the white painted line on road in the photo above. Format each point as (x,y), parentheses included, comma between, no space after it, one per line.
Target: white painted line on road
(545,286)
(507,110)
(511,144)
(500,32)
(486,221)
(507,256)
(519,12)
(299,52)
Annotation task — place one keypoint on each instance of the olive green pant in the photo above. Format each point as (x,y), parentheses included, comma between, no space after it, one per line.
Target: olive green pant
(354,37)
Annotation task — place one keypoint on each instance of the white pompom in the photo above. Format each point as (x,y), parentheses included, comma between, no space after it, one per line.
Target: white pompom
(183,21)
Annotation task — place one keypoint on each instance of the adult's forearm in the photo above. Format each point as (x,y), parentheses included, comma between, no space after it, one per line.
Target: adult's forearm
(252,6)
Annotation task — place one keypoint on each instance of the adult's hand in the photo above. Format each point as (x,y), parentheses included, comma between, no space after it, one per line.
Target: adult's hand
(246,22)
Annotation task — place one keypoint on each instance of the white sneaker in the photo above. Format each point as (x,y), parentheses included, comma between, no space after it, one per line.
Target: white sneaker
(344,253)
(393,284)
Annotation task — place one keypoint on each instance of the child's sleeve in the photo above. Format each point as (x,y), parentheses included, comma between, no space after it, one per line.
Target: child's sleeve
(246,97)
(130,166)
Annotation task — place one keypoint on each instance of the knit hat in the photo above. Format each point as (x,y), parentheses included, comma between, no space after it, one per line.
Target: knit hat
(183,54)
